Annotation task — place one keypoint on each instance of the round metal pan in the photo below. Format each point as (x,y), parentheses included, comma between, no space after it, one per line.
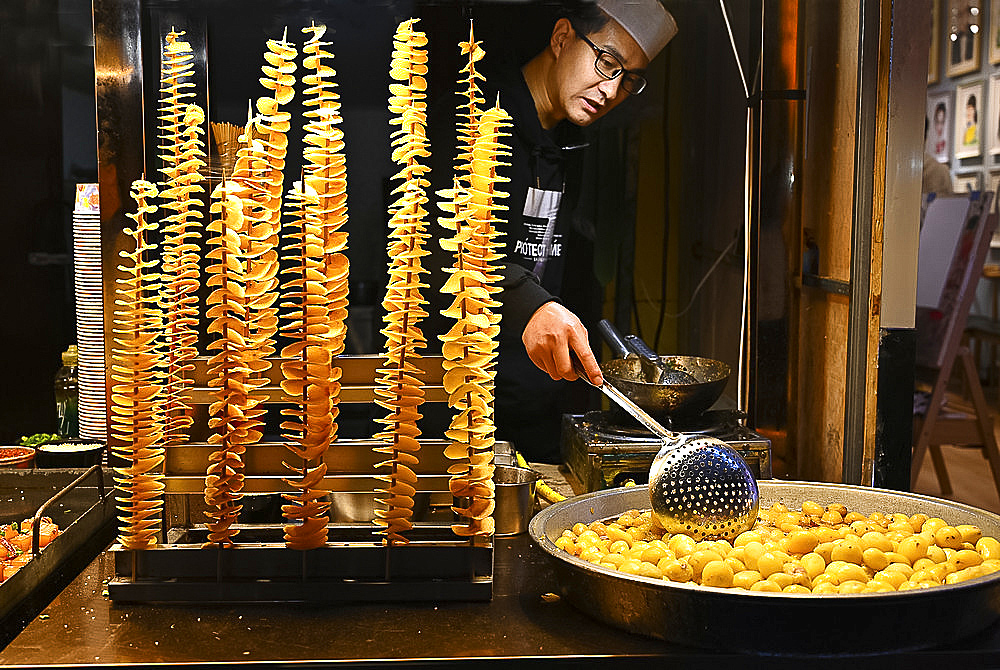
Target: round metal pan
(680,400)
(774,623)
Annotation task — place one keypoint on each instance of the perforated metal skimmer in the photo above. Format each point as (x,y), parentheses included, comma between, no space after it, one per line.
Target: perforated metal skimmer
(698,484)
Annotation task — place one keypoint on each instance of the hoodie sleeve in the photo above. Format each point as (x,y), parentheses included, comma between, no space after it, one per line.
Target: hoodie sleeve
(522,295)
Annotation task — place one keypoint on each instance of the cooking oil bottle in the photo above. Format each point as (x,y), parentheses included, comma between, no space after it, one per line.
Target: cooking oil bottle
(67,394)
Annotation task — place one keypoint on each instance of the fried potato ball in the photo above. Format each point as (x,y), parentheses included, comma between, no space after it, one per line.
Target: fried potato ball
(816,549)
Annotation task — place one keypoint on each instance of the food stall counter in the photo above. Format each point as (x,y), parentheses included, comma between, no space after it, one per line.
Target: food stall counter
(523,623)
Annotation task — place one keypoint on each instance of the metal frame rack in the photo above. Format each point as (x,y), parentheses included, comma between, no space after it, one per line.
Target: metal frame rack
(353,565)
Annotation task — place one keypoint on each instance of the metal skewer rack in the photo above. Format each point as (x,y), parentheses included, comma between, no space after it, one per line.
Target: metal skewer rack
(354,565)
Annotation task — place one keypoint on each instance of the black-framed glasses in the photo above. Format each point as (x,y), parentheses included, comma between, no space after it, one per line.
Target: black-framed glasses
(609,66)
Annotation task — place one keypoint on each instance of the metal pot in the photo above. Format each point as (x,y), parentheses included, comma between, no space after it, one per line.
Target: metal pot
(774,623)
(514,497)
(69,454)
(674,400)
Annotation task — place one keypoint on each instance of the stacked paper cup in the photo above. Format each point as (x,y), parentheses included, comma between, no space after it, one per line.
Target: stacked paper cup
(89,288)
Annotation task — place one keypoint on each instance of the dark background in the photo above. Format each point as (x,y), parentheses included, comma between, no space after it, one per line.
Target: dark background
(50,144)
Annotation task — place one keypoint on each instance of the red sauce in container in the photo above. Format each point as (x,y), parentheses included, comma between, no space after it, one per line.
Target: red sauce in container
(16,457)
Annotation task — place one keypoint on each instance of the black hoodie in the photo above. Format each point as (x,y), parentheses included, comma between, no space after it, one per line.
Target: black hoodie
(544,173)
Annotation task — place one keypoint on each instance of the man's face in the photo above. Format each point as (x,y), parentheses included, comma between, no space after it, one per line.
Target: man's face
(582,93)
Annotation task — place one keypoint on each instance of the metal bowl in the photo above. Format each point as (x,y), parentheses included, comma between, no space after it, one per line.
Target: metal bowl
(69,454)
(680,400)
(774,623)
(360,506)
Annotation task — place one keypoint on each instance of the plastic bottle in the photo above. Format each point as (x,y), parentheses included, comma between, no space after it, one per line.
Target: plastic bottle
(67,394)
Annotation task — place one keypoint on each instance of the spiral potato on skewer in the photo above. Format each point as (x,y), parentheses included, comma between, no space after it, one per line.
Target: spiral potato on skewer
(469,347)
(399,389)
(242,306)
(233,414)
(318,306)
(326,172)
(307,377)
(137,404)
(183,156)
(259,171)
(469,108)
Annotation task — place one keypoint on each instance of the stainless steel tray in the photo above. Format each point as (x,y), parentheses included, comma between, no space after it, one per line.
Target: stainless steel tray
(774,623)
(84,509)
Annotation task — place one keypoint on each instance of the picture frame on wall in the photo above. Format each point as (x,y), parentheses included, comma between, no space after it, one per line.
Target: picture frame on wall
(968,119)
(994,34)
(965,183)
(934,55)
(939,119)
(992,126)
(963,51)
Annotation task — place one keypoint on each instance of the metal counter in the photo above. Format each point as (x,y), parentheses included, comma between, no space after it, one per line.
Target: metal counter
(82,627)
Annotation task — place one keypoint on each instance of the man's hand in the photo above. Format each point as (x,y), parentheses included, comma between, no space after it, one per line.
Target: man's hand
(551,334)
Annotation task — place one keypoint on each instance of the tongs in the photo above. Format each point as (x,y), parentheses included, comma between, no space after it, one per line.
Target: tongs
(631,347)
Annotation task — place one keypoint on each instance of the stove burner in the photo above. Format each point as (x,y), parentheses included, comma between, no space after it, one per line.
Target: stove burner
(712,422)
(603,452)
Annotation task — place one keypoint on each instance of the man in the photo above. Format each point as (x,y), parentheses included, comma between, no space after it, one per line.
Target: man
(594,60)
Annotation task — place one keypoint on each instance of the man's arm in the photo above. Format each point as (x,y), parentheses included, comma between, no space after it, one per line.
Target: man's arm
(549,331)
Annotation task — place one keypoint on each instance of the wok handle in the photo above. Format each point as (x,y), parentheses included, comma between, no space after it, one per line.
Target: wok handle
(639,346)
(614,339)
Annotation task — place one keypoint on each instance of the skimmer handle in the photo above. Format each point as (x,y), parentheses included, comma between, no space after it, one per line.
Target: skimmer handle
(640,414)
(625,403)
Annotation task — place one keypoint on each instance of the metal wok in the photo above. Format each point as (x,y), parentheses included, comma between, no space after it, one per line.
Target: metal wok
(774,623)
(666,399)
